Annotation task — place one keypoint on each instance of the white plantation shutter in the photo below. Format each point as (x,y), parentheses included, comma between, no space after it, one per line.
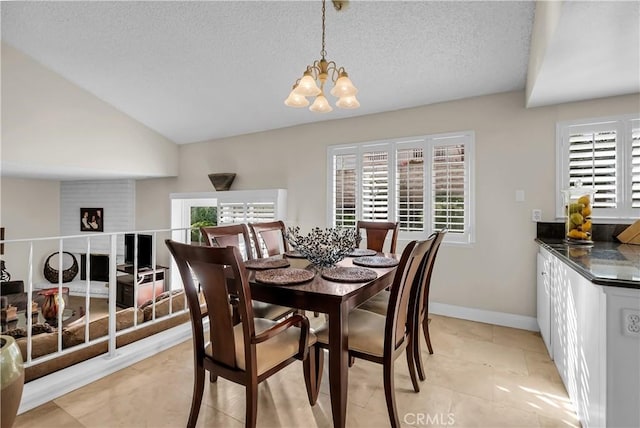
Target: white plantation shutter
(592,161)
(246,212)
(635,165)
(602,153)
(375,186)
(231,212)
(424,183)
(410,189)
(344,190)
(449,190)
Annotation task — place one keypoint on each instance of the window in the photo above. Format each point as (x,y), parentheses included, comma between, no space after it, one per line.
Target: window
(603,154)
(424,183)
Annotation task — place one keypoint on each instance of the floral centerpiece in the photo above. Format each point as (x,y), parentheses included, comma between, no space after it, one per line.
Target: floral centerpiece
(324,247)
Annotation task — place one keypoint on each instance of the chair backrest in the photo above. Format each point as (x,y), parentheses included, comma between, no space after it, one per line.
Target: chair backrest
(269,238)
(427,270)
(215,269)
(377,232)
(235,235)
(407,276)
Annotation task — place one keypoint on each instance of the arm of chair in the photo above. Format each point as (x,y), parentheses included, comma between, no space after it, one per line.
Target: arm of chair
(297,320)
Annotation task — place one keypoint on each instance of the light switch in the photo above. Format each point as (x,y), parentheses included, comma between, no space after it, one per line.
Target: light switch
(519,195)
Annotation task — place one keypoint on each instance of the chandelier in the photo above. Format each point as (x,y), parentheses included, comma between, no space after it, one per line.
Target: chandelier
(320,71)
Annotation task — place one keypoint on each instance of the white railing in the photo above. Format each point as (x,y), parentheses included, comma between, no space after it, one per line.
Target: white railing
(35,248)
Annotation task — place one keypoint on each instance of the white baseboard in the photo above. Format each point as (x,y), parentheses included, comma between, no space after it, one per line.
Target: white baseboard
(54,385)
(481,315)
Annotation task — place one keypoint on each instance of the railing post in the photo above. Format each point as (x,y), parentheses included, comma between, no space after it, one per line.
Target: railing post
(112,297)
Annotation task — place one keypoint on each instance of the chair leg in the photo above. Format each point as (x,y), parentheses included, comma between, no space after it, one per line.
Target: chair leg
(352,360)
(417,355)
(312,367)
(251,393)
(196,400)
(411,364)
(212,377)
(427,338)
(389,393)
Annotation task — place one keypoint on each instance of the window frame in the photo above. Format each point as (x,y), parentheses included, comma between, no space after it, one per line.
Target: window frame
(426,143)
(623,126)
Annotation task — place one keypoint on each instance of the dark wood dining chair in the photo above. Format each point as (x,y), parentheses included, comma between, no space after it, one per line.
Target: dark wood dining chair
(382,339)
(246,353)
(380,302)
(238,235)
(269,238)
(377,232)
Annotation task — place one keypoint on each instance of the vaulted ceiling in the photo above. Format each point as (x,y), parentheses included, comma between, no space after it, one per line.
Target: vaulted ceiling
(195,71)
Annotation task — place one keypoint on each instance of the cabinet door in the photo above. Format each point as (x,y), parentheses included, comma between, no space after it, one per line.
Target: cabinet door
(578,339)
(544,300)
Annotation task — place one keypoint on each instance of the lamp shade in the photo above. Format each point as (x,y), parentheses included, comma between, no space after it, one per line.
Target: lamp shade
(296,100)
(320,105)
(344,87)
(348,102)
(307,86)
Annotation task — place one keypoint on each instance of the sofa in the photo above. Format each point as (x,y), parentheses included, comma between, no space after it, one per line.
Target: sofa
(45,338)
(13,292)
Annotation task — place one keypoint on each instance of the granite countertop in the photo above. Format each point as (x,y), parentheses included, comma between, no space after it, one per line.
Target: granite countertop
(605,263)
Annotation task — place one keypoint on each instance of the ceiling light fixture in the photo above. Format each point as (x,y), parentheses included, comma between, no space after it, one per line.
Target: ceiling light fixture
(320,71)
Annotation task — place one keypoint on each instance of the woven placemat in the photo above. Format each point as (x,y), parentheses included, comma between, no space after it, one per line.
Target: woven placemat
(269,263)
(286,276)
(359,252)
(349,274)
(294,254)
(375,261)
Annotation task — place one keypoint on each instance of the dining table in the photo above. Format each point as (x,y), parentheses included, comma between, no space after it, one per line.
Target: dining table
(335,299)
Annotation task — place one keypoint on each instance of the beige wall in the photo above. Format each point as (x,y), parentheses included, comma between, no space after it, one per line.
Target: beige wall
(515,149)
(46,120)
(29,209)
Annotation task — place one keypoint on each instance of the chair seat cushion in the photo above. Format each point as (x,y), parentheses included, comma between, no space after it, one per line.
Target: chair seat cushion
(271,352)
(366,332)
(378,303)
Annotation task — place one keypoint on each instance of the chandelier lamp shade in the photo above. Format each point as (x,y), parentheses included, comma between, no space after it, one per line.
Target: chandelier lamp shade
(312,82)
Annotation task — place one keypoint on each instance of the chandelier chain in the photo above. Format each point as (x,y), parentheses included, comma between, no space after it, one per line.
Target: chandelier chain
(323,52)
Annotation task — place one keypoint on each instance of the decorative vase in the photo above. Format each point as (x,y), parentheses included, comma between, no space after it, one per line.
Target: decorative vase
(11,380)
(52,305)
(222,180)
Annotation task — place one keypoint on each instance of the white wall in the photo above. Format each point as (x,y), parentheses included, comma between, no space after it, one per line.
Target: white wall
(515,149)
(46,120)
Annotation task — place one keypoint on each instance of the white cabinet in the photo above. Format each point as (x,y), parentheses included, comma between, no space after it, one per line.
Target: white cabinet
(544,297)
(572,314)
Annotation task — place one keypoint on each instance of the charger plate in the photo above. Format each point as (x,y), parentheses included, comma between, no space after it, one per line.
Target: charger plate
(359,252)
(294,254)
(349,274)
(268,263)
(286,276)
(375,261)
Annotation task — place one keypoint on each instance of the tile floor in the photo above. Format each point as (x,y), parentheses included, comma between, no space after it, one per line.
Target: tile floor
(480,376)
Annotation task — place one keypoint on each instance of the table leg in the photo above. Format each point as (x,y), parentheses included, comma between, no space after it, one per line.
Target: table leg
(338,364)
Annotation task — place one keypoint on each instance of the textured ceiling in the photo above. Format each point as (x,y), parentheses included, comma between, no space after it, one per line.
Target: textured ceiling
(194,71)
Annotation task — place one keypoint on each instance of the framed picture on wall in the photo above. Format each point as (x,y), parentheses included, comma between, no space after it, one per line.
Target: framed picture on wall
(91,220)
